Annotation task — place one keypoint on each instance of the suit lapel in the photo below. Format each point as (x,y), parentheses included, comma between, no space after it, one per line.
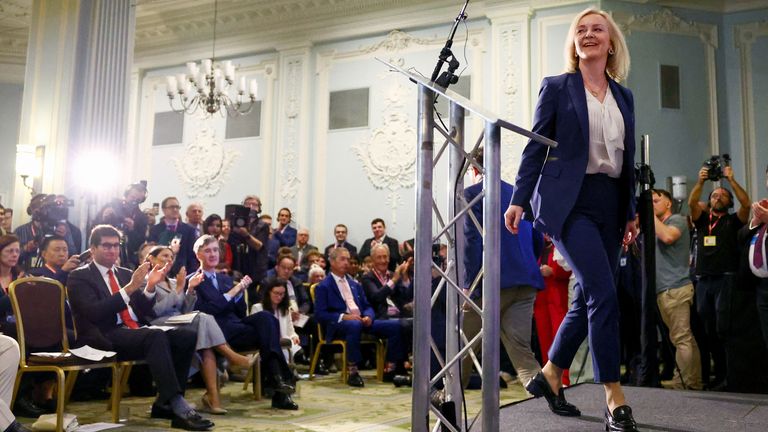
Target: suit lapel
(104,290)
(579,99)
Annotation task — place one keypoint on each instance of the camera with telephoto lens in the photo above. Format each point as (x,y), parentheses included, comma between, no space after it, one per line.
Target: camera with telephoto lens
(715,165)
(50,212)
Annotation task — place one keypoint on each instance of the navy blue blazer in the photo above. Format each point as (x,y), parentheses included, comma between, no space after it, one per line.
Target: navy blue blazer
(286,238)
(186,256)
(518,259)
(551,180)
(229,314)
(330,305)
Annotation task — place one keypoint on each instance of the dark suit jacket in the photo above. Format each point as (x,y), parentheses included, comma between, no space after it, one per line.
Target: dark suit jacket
(518,257)
(551,180)
(394,251)
(347,245)
(228,314)
(186,256)
(95,308)
(286,238)
(330,305)
(377,294)
(44,271)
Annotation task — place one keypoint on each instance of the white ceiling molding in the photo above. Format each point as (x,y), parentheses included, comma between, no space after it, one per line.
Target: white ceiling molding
(666,21)
(745,36)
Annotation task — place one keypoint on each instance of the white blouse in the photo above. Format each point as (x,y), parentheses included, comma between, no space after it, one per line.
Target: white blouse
(606,135)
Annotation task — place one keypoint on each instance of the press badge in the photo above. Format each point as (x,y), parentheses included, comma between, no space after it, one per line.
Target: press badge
(623,262)
(710,240)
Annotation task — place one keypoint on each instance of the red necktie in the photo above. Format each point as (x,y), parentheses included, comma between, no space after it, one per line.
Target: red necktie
(124,314)
(758,258)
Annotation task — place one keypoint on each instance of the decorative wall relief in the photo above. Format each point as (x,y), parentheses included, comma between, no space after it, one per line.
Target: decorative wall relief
(205,164)
(289,180)
(511,49)
(389,156)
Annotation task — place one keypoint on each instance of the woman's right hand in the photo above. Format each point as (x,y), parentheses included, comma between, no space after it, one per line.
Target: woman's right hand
(181,277)
(512,218)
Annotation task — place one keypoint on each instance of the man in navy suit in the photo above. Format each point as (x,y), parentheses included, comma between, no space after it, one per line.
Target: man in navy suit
(217,295)
(172,230)
(379,230)
(285,233)
(520,279)
(109,306)
(340,233)
(56,260)
(342,309)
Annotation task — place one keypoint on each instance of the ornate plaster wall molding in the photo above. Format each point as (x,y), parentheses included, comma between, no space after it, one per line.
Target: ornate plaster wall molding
(744,36)
(395,41)
(289,179)
(389,156)
(665,21)
(205,165)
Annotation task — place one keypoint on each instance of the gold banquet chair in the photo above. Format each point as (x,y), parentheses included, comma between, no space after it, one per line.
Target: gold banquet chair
(366,339)
(38,304)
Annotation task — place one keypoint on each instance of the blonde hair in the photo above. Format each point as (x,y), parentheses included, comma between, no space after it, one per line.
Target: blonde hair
(617,66)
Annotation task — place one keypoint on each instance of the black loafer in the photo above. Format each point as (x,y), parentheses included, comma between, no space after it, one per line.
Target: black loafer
(538,387)
(621,420)
(191,421)
(161,412)
(284,402)
(355,380)
(280,386)
(24,407)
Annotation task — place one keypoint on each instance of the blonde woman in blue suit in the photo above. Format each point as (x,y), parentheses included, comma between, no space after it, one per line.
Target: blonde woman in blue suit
(583,195)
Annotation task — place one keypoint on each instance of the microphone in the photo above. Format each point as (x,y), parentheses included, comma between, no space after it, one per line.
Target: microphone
(448,77)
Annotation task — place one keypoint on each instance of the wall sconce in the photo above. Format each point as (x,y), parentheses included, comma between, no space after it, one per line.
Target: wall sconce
(29,164)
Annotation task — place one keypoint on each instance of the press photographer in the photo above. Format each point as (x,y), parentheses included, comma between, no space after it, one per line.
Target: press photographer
(125,215)
(248,239)
(49,216)
(717,256)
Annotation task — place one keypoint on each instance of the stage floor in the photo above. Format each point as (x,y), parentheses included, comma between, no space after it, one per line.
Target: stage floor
(654,410)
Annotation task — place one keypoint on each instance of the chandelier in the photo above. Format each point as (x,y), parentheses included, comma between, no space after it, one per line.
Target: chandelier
(207,86)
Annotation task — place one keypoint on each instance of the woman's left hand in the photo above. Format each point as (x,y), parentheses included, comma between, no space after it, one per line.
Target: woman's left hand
(630,234)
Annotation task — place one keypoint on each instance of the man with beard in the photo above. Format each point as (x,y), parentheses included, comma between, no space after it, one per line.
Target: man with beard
(717,260)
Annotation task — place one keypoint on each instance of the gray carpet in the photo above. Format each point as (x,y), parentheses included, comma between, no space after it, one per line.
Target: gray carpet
(654,410)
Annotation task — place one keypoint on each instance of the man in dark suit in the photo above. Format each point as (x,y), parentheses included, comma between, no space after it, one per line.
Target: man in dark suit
(380,237)
(285,233)
(171,230)
(217,295)
(109,307)
(382,287)
(56,260)
(340,232)
(302,247)
(342,309)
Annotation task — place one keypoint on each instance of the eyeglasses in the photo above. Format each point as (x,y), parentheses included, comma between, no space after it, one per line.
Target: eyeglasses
(109,245)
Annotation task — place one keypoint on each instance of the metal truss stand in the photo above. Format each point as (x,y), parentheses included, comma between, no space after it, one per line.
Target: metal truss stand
(450,231)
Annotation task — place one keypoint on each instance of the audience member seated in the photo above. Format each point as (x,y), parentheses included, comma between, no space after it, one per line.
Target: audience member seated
(316,274)
(302,247)
(343,311)
(218,296)
(171,231)
(56,260)
(109,306)
(10,251)
(276,302)
(171,300)
(285,233)
(212,225)
(340,233)
(9,364)
(379,230)
(382,287)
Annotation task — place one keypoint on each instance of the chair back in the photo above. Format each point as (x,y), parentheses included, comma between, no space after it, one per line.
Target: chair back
(38,304)
(320,336)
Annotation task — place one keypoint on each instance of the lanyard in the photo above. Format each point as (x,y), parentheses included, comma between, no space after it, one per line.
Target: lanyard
(713,225)
(383,279)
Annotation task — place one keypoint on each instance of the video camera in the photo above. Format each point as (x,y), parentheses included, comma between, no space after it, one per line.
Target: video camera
(50,211)
(237,215)
(715,165)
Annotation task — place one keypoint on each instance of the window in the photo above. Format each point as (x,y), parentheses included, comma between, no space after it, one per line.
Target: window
(348,109)
(669,78)
(169,128)
(247,125)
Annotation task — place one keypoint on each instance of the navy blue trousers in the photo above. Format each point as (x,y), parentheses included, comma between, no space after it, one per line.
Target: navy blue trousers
(387,329)
(590,242)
